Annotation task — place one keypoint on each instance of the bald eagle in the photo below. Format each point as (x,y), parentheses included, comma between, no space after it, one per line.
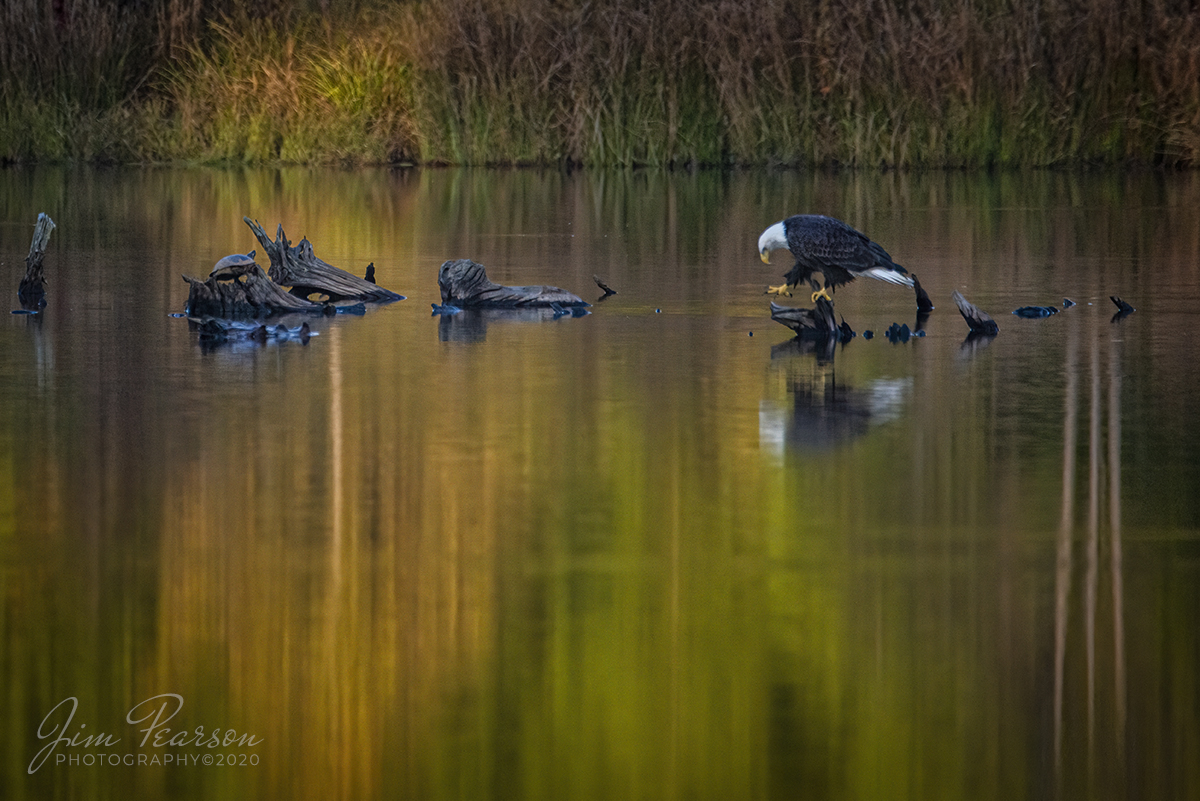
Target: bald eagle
(823,244)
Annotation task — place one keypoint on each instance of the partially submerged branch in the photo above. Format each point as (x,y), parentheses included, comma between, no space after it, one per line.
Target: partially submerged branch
(979,321)
(924,304)
(1123,308)
(299,268)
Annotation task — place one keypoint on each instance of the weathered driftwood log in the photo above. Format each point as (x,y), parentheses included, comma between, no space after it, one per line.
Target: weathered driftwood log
(299,268)
(818,323)
(31,292)
(980,322)
(242,290)
(465,284)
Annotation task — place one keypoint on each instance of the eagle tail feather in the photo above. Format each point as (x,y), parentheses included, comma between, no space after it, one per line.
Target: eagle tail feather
(891,276)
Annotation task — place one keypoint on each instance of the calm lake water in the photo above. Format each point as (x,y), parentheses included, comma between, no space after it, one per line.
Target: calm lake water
(661,551)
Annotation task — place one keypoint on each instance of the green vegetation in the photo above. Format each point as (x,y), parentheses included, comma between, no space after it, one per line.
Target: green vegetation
(938,83)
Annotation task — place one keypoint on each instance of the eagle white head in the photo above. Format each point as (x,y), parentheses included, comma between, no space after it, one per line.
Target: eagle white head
(773,238)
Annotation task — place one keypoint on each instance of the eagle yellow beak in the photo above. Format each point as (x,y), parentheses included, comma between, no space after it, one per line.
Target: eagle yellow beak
(765,255)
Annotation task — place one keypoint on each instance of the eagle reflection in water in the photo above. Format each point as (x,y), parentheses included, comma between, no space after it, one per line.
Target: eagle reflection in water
(820,414)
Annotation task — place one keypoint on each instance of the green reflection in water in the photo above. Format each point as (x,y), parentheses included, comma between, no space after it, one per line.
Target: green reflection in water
(638,554)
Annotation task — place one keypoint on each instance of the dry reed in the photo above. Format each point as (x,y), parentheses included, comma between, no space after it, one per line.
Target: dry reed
(940,83)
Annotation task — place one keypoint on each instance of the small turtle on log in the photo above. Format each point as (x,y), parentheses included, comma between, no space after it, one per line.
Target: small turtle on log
(465,284)
(238,287)
(234,266)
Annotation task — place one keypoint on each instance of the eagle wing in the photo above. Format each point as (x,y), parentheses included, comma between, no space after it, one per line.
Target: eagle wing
(830,246)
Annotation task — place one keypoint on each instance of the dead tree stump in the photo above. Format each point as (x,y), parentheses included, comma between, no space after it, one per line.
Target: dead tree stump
(250,294)
(807,323)
(31,292)
(299,268)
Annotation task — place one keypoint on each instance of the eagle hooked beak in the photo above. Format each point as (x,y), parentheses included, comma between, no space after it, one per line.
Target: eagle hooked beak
(765,255)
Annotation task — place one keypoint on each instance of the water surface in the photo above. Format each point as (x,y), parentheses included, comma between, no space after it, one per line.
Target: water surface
(660,551)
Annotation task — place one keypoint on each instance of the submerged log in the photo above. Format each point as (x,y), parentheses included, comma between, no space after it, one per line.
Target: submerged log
(465,284)
(1035,312)
(31,292)
(217,332)
(246,292)
(299,268)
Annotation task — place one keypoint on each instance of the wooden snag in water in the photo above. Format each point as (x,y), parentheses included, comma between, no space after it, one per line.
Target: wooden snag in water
(465,284)
(924,304)
(252,294)
(299,268)
(1123,308)
(31,292)
(608,290)
(810,323)
(980,322)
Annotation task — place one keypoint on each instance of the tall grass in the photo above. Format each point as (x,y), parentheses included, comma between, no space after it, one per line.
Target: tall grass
(259,93)
(930,82)
(939,83)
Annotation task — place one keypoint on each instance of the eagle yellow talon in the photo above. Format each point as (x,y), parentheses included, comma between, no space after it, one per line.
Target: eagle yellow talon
(822,293)
(782,289)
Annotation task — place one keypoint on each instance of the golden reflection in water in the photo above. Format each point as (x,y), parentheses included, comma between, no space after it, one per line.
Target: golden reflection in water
(1100,481)
(570,560)
(1115,560)
(1063,562)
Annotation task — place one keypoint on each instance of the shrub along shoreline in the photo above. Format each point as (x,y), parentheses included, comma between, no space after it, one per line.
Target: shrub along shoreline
(927,83)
